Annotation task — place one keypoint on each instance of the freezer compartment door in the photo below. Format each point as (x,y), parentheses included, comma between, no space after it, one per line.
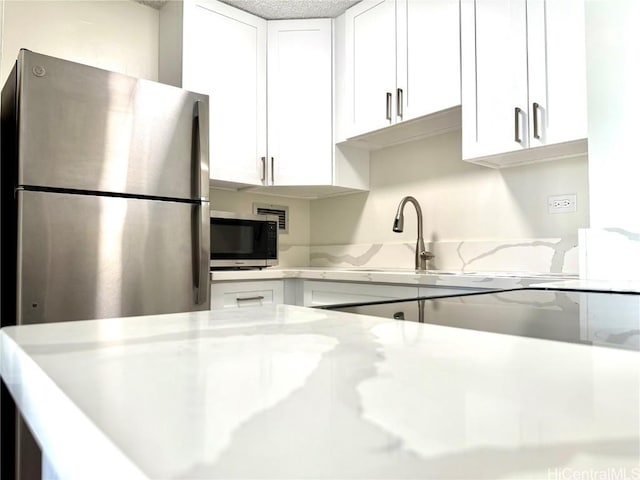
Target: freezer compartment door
(89,129)
(85,257)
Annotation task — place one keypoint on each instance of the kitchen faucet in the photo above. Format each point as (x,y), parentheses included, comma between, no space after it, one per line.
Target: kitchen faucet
(422,255)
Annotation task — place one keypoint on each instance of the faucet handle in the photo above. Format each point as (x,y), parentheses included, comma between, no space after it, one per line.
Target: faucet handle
(427,255)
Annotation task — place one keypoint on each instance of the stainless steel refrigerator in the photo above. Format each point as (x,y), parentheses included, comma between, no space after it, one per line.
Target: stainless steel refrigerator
(104,195)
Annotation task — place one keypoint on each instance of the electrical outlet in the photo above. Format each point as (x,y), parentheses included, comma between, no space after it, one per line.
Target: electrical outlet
(562,203)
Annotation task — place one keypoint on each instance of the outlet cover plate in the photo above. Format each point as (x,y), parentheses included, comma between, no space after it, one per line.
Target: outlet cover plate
(562,203)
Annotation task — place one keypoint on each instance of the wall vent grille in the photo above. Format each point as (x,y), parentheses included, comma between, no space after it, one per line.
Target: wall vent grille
(280,211)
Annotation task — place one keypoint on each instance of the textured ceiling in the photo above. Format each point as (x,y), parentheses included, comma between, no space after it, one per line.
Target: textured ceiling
(279,9)
(152,3)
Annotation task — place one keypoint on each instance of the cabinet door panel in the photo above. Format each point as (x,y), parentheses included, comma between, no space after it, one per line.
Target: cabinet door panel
(300,102)
(371,57)
(494,62)
(428,56)
(225,57)
(557,70)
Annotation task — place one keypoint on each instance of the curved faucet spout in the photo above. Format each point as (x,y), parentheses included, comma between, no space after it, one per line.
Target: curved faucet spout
(398,226)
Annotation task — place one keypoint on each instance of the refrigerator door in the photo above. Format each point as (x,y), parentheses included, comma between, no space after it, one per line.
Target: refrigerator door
(85,257)
(89,129)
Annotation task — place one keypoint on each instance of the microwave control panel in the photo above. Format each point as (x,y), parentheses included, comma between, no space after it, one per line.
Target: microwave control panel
(272,237)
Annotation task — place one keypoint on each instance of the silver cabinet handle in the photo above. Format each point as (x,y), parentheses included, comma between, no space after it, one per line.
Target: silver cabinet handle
(517,125)
(246,299)
(400,103)
(273,175)
(389,106)
(536,132)
(264,168)
(201,172)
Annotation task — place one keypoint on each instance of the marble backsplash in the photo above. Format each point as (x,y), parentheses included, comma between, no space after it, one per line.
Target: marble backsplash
(293,255)
(548,255)
(609,253)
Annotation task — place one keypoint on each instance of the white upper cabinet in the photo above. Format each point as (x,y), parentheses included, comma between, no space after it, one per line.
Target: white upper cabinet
(299,78)
(371,58)
(403,61)
(557,70)
(428,65)
(271,97)
(223,55)
(523,80)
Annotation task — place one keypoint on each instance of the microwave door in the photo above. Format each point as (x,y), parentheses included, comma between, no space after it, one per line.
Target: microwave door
(243,243)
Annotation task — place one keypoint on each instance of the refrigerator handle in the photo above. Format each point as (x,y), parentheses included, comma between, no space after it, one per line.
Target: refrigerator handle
(201,276)
(201,150)
(201,177)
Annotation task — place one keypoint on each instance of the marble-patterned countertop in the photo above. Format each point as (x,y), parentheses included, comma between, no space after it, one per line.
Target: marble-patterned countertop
(396,276)
(292,392)
(596,285)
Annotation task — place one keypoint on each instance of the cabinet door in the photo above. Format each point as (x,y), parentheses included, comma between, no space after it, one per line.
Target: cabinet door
(557,71)
(224,56)
(494,77)
(428,57)
(371,65)
(246,294)
(300,102)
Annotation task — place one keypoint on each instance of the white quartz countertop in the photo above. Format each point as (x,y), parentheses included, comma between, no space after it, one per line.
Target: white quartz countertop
(291,392)
(596,285)
(396,276)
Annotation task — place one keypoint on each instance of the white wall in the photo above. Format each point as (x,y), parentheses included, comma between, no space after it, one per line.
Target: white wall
(460,201)
(116,35)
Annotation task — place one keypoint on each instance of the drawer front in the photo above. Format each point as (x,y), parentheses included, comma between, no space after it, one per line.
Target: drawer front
(246,294)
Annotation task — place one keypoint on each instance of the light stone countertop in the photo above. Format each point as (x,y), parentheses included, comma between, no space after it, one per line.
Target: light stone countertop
(489,280)
(292,392)
(597,285)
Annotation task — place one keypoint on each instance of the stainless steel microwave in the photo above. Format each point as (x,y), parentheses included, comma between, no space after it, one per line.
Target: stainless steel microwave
(243,241)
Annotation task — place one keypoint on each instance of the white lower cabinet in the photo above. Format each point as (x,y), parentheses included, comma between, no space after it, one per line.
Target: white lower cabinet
(246,294)
(323,293)
(318,293)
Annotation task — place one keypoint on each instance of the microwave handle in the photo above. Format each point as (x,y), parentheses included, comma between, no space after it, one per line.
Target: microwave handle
(201,218)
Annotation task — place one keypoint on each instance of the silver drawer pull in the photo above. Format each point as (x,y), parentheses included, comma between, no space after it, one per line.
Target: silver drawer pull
(246,299)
